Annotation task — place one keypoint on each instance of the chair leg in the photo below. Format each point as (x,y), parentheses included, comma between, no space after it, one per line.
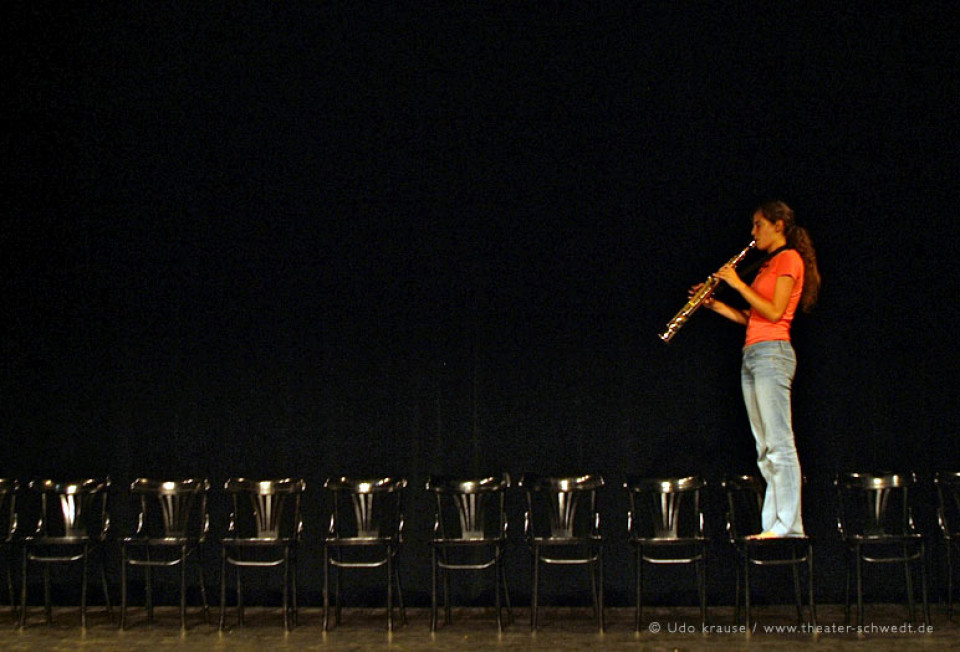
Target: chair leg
(908,575)
(859,589)
(506,589)
(592,575)
(389,590)
(736,597)
(239,576)
(338,582)
(534,616)
(846,599)
(445,576)
(797,593)
(23,587)
(13,599)
(47,608)
(701,570)
(286,589)
(746,586)
(203,584)
(400,603)
(602,623)
(638,578)
(83,589)
(496,589)
(810,580)
(949,579)
(433,589)
(293,589)
(223,585)
(183,588)
(923,584)
(148,583)
(103,580)
(326,589)
(123,587)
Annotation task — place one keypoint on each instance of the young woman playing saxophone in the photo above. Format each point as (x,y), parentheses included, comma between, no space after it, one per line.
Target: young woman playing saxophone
(787,278)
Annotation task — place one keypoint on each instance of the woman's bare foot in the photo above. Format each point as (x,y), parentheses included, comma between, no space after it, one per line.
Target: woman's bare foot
(764,535)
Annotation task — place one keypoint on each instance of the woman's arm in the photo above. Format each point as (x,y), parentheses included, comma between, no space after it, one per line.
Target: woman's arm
(733,314)
(771,309)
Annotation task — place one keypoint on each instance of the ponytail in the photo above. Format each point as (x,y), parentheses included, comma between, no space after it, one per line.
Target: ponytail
(799,238)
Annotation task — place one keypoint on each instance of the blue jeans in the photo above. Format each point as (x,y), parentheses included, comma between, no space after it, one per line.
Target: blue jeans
(766,376)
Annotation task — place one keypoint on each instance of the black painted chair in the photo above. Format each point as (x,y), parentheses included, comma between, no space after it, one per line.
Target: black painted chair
(665,526)
(562,528)
(264,532)
(469,534)
(365,532)
(948,517)
(875,521)
(172,527)
(9,488)
(745,495)
(72,526)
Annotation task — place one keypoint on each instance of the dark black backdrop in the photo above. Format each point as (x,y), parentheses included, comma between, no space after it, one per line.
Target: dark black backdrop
(312,239)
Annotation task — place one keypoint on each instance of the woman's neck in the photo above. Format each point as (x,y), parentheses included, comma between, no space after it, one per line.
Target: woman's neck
(779,243)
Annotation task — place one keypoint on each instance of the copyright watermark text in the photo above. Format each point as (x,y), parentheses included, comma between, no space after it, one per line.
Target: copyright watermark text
(673,627)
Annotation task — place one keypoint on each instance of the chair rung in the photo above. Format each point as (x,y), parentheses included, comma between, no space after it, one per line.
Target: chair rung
(890,560)
(678,560)
(357,564)
(141,562)
(54,560)
(569,562)
(482,566)
(254,563)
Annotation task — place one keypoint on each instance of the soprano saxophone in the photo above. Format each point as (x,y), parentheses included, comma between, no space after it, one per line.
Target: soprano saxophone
(700,297)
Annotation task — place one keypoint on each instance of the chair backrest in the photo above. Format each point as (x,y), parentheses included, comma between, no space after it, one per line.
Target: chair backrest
(172,509)
(664,508)
(948,499)
(265,509)
(569,503)
(9,488)
(470,509)
(73,510)
(874,504)
(744,505)
(366,508)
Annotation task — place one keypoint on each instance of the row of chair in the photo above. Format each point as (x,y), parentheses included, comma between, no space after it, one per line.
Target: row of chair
(366,530)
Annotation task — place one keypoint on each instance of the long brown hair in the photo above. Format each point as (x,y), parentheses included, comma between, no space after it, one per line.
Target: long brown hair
(797,238)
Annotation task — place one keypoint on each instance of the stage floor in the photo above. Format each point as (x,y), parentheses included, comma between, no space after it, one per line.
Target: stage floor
(886,628)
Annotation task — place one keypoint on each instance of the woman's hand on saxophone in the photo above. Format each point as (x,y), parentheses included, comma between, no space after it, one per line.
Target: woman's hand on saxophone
(729,275)
(708,302)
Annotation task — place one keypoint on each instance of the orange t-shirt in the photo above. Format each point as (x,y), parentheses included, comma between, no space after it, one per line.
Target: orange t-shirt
(759,328)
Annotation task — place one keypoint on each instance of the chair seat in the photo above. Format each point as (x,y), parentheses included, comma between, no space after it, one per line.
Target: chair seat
(159,541)
(361,541)
(32,556)
(885,539)
(566,541)
(661,541)
(258,543)
(772,542)
(466,543)
(58,541)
